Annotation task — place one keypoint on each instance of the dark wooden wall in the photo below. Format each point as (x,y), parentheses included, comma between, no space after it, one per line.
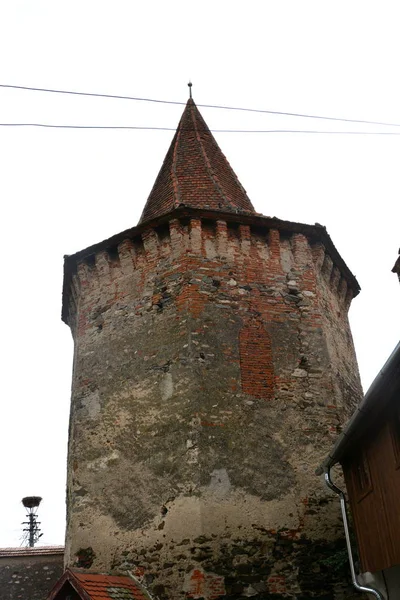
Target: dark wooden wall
(372,474)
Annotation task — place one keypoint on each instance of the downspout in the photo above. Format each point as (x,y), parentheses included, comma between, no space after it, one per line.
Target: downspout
(338,491)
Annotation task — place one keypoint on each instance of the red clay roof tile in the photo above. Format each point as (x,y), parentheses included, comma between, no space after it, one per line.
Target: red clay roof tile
(109,587)
(96,586)
(195,173)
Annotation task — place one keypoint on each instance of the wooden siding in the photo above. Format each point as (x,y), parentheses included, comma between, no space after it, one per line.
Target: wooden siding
(376,510)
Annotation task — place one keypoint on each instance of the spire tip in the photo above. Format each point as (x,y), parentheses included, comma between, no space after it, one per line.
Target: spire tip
(190,89)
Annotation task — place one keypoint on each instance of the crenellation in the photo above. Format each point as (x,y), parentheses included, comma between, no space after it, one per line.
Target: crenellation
(127,256)
(103,268)
(164,241)
(348,298)
(72,312)
(327,266)
(222,239)
(113,256)
(73,303)
(318,253)
(261,247)
(86,273)
(274,245)
(75,288)
(287,258)
(209,239)
(301,251)
(331,274)
(82,275)
(342,289)
(195,234)
(177,243)
(334,279)
(151,245)
(245,239)
(233,246)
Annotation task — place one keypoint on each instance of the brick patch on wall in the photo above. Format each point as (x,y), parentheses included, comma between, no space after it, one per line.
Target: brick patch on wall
(256,368)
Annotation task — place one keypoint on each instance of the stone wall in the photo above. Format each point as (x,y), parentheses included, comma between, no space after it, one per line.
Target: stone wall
(29,573)
(213,370)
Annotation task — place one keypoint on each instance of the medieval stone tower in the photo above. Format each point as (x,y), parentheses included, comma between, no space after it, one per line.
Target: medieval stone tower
(213,367)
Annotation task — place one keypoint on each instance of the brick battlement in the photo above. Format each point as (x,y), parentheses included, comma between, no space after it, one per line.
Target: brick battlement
(256,250)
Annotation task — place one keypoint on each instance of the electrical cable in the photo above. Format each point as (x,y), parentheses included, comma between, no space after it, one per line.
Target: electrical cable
(255,110)
(305,131)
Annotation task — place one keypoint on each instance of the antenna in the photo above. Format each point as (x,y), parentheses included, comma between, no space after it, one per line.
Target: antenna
(32,532)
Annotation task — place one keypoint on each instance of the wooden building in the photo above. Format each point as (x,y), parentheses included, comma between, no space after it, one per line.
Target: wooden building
(369,453)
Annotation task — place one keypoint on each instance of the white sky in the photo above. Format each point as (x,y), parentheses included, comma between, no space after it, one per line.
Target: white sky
(63,190)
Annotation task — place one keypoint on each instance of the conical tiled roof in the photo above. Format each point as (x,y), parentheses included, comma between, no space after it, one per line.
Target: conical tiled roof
(195,173)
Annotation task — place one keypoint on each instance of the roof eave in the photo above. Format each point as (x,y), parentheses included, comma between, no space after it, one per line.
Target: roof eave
(68,577)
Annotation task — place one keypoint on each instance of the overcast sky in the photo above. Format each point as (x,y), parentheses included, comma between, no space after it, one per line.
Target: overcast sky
(63,190)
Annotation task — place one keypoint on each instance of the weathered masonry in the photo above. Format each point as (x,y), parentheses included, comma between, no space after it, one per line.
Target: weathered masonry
(213,367)
(29,573)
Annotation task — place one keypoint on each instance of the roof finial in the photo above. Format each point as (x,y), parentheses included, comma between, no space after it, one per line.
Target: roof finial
(190,88)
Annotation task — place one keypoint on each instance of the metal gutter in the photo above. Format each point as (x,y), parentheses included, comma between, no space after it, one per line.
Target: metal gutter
(338,491)
(382,390)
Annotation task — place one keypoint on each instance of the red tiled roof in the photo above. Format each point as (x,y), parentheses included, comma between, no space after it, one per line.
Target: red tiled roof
(195,173)
(96,586)
(109,587)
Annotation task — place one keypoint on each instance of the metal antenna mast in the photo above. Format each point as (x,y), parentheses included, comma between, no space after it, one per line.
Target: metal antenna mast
(32,532)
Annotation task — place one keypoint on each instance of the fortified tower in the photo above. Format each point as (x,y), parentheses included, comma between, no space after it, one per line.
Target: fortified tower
(213,368)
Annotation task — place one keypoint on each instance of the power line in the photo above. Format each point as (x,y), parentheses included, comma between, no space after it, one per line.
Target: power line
(34,89)
(254,110)
(56,126)
(128,127)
